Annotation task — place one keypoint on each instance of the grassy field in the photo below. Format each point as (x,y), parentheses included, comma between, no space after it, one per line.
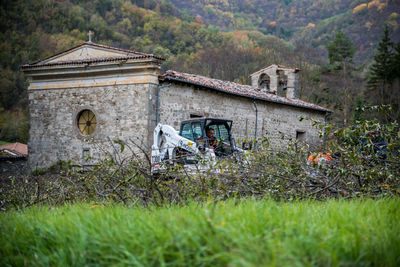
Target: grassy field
(245,233)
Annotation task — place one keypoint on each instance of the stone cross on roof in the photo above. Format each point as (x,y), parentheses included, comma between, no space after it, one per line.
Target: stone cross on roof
(90,36)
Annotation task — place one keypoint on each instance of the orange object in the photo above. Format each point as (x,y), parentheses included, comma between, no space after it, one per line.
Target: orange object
(315,159)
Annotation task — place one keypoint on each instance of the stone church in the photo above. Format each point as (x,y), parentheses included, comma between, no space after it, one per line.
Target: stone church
(82,99)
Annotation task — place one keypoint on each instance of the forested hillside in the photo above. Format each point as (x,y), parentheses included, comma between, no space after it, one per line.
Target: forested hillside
(313,22)
(222,39)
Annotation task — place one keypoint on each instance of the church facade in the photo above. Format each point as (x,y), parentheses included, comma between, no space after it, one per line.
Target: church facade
(83,99)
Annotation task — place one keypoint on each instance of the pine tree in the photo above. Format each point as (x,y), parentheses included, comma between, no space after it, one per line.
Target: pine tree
(396,61)
(382,71)
(384,80)
(395,94)
(340,50)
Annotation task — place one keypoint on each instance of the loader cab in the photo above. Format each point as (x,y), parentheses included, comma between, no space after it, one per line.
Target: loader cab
(195,130)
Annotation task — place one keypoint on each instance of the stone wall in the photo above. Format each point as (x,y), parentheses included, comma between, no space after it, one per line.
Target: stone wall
(178,102)
(122,112)
(127,112)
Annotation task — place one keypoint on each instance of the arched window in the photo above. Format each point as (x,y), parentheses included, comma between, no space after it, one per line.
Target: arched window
(282,82)
(264,81)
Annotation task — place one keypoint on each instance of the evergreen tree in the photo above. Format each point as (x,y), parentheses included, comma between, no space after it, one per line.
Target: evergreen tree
(383,82)
(396,61)
(382,72)
(340,50)
(396,83)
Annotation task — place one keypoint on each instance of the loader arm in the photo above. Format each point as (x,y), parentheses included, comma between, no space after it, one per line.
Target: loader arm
(166,141)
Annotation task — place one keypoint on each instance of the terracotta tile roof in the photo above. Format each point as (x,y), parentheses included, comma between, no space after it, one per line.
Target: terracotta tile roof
(130,55)
(86,61)
(237,89)
(16,148)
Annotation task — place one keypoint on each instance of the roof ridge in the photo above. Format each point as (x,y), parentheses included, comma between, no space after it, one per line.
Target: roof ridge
(116,48)
(279,66)
(197,75)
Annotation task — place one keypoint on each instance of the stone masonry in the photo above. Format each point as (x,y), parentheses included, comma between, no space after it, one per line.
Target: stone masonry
(278,77)
(179,101)
(115,85)
(124,91)
(120,112)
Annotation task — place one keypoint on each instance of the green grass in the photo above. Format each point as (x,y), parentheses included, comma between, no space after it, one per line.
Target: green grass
(3,143)
(245,233)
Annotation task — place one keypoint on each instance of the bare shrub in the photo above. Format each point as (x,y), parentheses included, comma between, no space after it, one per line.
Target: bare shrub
(358,168)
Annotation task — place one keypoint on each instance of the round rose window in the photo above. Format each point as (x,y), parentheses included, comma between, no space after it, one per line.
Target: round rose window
(86,122)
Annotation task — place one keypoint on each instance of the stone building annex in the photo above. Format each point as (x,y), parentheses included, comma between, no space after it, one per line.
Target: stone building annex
(81,99)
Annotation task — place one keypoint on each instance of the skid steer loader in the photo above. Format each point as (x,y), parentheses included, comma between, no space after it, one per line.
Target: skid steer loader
(191,144)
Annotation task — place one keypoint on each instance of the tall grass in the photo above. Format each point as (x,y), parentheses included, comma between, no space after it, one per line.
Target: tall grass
(235,233)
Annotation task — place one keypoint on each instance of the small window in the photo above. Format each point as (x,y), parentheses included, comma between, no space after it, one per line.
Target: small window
(86,153)
(282,80)
(187,131)
(197,133)
(193,116)
(264,81)
(301,135)
(86,122)
(222,135)
(221,132)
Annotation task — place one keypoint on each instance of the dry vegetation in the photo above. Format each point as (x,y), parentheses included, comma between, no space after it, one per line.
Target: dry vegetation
(362,169)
